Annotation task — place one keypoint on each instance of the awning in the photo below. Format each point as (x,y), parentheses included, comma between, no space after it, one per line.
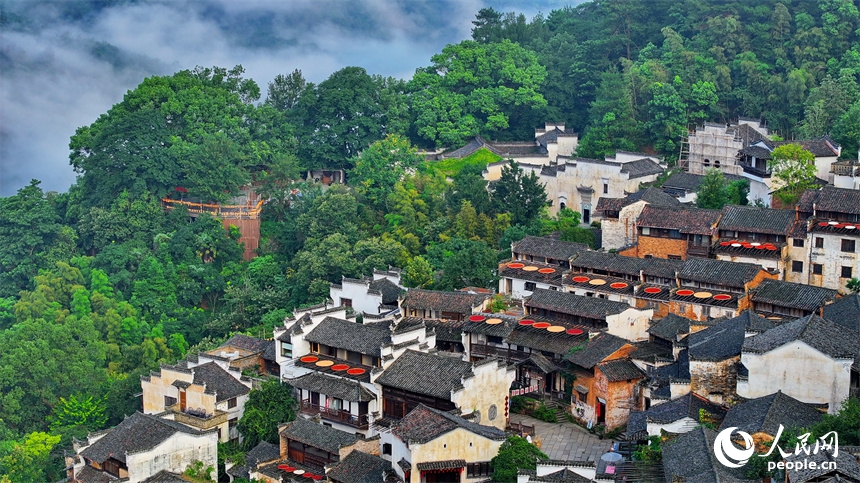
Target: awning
(442,465)
(580,389)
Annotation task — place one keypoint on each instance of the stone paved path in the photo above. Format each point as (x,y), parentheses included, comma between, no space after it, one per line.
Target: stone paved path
(566,441)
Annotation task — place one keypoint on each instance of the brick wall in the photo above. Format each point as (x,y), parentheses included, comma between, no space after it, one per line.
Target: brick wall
(716,380)
(661,247)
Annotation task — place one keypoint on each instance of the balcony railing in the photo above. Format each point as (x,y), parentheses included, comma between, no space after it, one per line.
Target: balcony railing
(698,250)
(336,415)
(189,418)
(508,354)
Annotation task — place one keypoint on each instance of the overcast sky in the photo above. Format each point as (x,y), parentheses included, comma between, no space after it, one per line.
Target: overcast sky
(65,62)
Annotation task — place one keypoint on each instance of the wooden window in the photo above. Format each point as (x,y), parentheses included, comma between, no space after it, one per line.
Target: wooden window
(494,339)
(846,272)
(346,302)
(798,242)
(605,188)
(797,266)
(848,245)
(231,403)
(819,242)
(475,470)
(674,257)
(169,401)
(817,268)
(386,448)
(531,286)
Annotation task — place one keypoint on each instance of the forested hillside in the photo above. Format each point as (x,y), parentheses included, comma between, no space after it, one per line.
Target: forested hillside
(98,285)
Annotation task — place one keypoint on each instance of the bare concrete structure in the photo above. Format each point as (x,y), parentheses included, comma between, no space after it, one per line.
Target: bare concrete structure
(716,145)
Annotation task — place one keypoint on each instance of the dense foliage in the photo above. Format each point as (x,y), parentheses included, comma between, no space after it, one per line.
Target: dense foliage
(515,453)
(99,285)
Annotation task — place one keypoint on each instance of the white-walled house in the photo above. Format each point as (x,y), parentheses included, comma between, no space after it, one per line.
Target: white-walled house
(619,215)
(140,447)
(428,441)
(374,296)
(202,392)
(677,416)
(811,359)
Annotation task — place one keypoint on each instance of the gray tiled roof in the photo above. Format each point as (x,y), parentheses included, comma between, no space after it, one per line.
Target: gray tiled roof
(686,406)
(136,433)
(846,467)
(719,272)
(554,278)
(317,435)
(359,467)
(652,196)
(543,340)
(597,349)
(611,262)
(346,389)
(720,342)
(690,458)
(498,330)
(687,220)
(425,373)
(670,327)
(343,334)
(640,168)
(248,343)
(547,247)
(424,424)
(845,311)
(757,220)
(568,303)
(88,474)
(165,476)
(219,381)
(264,452)
(838,200)
(766,414)
(825,336)
(459,302)
(620,370)
(794,295)
(389,290)
(446,330)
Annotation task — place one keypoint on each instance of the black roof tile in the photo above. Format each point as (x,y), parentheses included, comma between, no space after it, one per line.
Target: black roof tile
(620,370)
(317,435)
(346,389)
(343,334)
(670,327)
(553,278)
(547,247)
(837,200)
(794,295)
(425,373)
(359,467)
(446,330)
(686,406)
(720,342)
(846,467)
(424,424)
(136,433)
(568,303)
(845,311)
(684,219)
(757,220)
(823,335)
(766,414)
(719,272)
(543,340)
(459,302)
(690,458)
(389,290)
(264,452)
(597,350)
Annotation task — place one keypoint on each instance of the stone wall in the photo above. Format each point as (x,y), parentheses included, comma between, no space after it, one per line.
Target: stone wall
(715,380)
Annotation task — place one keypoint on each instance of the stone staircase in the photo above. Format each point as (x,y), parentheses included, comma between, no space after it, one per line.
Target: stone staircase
(559,410)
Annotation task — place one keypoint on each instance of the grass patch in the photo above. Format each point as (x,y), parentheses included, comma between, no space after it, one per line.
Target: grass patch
(450,167)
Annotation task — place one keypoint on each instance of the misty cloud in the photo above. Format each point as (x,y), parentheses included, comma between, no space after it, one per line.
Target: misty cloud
(63,63)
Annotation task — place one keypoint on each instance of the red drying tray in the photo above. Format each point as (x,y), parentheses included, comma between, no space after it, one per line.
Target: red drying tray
(652,290)
(722,296)
(309,359)
(618,285)
(339,367)
(527,322)
(581,279)
(574,331)
(541,325)
(546,270)
(516,265)
(356,371)
(476,318)
(685,292)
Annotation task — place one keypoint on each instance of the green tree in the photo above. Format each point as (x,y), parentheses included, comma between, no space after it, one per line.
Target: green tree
(712,193)
(519,194)
(267,407)
(418,273)
(28,459)
(853,285)
(379,167)
(85,412)
(464,263)
(793,168)
(189,130)
(667,113)
(29,225)
(846,130)
(474,88)
(738,192)
(515,454)
(469,185)
(284,90)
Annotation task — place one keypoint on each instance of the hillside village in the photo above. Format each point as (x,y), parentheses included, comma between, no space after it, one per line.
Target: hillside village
(616,242)
(687,321)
